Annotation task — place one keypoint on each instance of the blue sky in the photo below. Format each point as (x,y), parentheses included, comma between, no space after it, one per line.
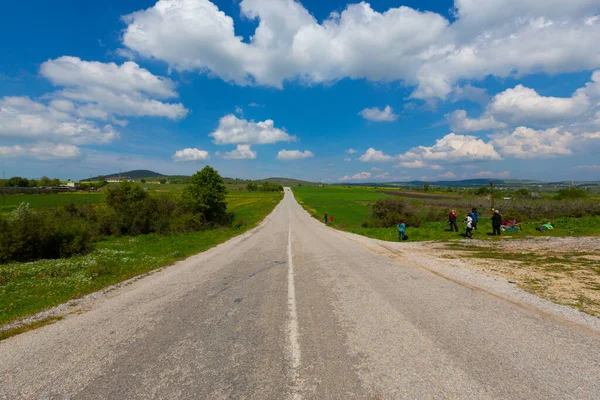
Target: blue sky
(325,91)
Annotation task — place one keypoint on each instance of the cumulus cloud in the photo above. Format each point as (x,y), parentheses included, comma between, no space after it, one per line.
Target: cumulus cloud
(372,155)
(470,93)
(359,176)
(490,174)
(377,115)
(351,151)
(452,148)
(233,130)
(448,175)
(107,89)
(25,119)
(497,37)
(41,151)
(347,159)
(189,154)
(242,152)
(592,166)
(288,155)
(523,106)
(459,122)
(525,143)
(382,175)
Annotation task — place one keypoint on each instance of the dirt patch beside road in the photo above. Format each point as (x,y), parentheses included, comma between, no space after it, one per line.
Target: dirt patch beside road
(563,270)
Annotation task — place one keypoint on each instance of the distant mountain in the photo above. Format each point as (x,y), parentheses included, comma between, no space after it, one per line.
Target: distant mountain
(144,173)
(288,182)
(136,174)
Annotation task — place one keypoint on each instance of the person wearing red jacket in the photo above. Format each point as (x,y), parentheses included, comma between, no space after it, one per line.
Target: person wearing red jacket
(452,217)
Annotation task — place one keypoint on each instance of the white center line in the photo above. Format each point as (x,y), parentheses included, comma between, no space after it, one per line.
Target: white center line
(293,322)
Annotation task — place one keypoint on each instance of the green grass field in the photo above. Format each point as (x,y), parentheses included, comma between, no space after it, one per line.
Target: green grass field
(9,203)
(350,207)
(27,288)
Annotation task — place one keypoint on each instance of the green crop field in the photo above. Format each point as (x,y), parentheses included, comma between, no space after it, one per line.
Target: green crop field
(351,206)
(9,203)
(27,288)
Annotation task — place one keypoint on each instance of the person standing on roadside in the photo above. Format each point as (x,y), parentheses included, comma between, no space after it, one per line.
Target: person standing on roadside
(475,215)
(401,230)
(496,223)
(452,217)
(326,218)
(469,231)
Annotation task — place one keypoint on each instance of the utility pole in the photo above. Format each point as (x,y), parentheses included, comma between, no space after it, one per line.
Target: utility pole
(492,193)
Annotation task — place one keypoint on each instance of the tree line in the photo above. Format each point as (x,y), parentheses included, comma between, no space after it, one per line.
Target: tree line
(127,210)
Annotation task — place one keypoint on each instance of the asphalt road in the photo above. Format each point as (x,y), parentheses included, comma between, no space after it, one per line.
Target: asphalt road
(295,309)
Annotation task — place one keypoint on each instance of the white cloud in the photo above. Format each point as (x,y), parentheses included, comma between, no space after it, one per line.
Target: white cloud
(104,89)
(359,176)
(287,155)
(372,155)
(382,175)
(490,174)
(375,114)
(471,93)
(25,119)
(190,154)
(448,175)
(41,151)
(242,152)
(501,38)
(351,151)
(525,142)
(452,148)
(233,130)
(522,105)
(419,164)
(593,166)
(459,122)
(375,169)
(347,159)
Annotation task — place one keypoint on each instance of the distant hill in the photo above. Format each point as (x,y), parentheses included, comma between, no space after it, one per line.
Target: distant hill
(136,174)
(144,173)
(289,182)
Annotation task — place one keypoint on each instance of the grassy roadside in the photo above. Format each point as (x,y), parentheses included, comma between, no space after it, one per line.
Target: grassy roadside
(27,288)
(350,207)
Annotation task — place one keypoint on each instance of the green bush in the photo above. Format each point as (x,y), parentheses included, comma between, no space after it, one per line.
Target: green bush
(572,193)
(388,212)
(28,235)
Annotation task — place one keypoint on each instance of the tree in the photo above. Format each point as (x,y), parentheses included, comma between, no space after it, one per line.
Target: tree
(162,181)
(205,195)
(17,181)
(55,182)
(143,180)
(44,181)
(524,193)
(482,191)
(101,178)
(426,187)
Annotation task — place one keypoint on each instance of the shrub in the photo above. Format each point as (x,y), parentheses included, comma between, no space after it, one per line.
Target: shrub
(572,193)
(388,212)
(31,235)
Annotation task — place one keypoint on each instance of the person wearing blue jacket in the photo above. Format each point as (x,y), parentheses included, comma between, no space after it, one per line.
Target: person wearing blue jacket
(401,228)
(475,216)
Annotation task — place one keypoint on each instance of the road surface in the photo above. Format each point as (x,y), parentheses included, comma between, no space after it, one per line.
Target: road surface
(297,310)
